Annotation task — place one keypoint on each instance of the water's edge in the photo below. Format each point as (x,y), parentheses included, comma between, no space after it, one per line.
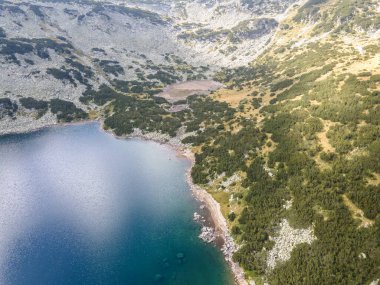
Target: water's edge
(218,220)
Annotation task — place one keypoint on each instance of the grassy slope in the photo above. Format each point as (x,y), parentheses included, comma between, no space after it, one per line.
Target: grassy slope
(318,104)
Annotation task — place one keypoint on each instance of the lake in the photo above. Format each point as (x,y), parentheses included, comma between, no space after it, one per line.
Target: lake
(78,206)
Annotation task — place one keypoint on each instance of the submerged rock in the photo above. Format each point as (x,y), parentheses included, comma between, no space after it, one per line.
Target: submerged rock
(180,258)
(166,262)
(158,278)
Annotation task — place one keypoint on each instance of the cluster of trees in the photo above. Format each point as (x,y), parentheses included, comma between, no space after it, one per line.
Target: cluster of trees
(226,152)
(66,111)
(207,112)
(203,34)
(256,102)
(236,78)
(154,18)
(264,201)
(61,74)
(87,72)
(130,112)
(131,109)
(37,11)
(164,77)
(134,106)
(40,105)
(99,97)
(69,75)
(7,107)
(305,82)
(10,48)
(111,66)
(164,74)
(310,10)
(136,87)
(281,85)
(31,103)
(2,33)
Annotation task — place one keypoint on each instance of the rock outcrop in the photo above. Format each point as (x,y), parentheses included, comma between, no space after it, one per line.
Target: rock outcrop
(286,240)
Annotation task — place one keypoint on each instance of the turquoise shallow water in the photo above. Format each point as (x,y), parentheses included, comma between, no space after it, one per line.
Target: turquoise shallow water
(78,206)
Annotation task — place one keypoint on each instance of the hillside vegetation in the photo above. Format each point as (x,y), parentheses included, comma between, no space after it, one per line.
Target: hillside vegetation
(314,97)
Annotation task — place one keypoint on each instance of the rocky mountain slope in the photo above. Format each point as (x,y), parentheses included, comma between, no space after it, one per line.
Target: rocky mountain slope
(60,49)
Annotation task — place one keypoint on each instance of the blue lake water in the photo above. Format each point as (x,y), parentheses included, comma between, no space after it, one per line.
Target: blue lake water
(78,206)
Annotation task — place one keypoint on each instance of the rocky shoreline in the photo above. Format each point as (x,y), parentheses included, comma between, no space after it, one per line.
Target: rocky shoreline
(219,229)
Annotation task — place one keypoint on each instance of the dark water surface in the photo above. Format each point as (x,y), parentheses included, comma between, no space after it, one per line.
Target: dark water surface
(78,206)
